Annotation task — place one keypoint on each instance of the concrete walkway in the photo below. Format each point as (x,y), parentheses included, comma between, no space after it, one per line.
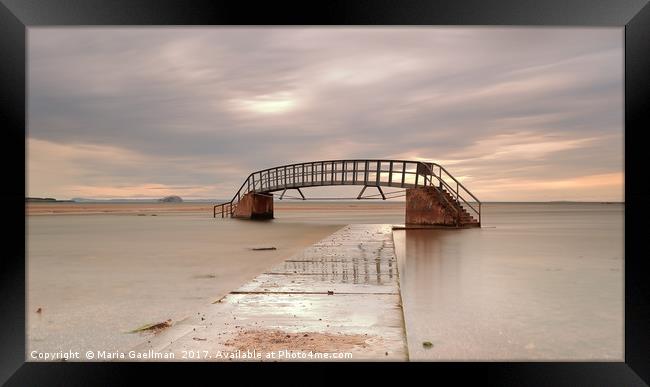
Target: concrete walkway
(336,300)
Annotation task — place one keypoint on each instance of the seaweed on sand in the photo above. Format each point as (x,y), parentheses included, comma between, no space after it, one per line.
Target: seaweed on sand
(154,327)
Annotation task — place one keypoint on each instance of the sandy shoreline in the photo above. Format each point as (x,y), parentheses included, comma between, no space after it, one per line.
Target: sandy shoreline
(91,279)
(155,208)
(114,208)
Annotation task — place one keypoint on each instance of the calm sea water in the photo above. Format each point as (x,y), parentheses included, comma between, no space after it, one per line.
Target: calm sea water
(538,281)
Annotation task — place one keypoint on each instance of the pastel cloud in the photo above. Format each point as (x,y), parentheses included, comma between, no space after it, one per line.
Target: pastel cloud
(134,112)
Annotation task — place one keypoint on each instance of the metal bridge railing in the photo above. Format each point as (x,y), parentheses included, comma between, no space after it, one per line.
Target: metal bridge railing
(366,172)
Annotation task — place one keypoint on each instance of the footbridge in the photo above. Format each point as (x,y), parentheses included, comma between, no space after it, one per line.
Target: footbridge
(433,195)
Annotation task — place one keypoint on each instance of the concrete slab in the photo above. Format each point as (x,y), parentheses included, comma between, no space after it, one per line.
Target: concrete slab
(320,284)
(339,297)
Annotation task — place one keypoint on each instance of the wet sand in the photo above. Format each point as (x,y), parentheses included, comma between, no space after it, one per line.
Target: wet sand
(96,277)
(67,208)
(99,270)
(538,281)
(340,295)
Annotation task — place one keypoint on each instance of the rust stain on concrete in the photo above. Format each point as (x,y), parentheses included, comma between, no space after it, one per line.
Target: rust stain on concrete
(254,206)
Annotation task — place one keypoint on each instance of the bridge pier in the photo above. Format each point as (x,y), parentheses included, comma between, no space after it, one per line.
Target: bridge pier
(254,206)
(424,207)
(433,196)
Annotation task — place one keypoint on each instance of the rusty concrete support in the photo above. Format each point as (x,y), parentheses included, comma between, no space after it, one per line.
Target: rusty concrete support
(423,207)
(254,206)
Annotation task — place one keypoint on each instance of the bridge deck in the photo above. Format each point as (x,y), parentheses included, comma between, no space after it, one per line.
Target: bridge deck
(290,306)
(372,172)
(273,188)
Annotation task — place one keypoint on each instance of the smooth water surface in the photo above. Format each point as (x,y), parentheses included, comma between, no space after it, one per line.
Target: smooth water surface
(537,282)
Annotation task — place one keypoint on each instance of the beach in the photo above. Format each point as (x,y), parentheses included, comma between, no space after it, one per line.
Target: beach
(538,281)
(97,276)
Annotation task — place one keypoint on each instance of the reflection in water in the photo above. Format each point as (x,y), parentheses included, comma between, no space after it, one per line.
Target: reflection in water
(535,283)
(366,263)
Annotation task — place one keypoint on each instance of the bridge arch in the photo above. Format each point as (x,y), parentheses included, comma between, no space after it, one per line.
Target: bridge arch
(451,196)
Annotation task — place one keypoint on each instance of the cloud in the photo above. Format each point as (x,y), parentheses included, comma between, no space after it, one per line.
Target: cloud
(202,107)
(100,171)
(516,147)
(590,187)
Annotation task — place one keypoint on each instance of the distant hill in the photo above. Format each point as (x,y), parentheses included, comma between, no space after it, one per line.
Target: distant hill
(92,200)
(48,200)
(171,199)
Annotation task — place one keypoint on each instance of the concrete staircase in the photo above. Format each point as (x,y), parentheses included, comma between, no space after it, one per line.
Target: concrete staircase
(466,219)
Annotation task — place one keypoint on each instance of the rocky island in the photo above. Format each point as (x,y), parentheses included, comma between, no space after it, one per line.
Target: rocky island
(171,199)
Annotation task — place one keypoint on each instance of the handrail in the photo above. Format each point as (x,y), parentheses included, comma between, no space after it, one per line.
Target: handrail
(316,173)
(214,209)
(457,182)
(456,191)
(443,182)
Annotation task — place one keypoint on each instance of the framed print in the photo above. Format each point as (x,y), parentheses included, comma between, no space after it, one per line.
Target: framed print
(452,188)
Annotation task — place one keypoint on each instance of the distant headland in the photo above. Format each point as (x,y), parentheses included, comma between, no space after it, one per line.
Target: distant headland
(49,200)
(166,199)
(171,199)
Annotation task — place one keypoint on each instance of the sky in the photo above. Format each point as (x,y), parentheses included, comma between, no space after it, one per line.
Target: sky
(517,114)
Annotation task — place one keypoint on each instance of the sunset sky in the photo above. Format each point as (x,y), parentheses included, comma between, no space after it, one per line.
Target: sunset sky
(519,114)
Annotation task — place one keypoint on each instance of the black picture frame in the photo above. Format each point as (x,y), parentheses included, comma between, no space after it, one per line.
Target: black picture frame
(18,15)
